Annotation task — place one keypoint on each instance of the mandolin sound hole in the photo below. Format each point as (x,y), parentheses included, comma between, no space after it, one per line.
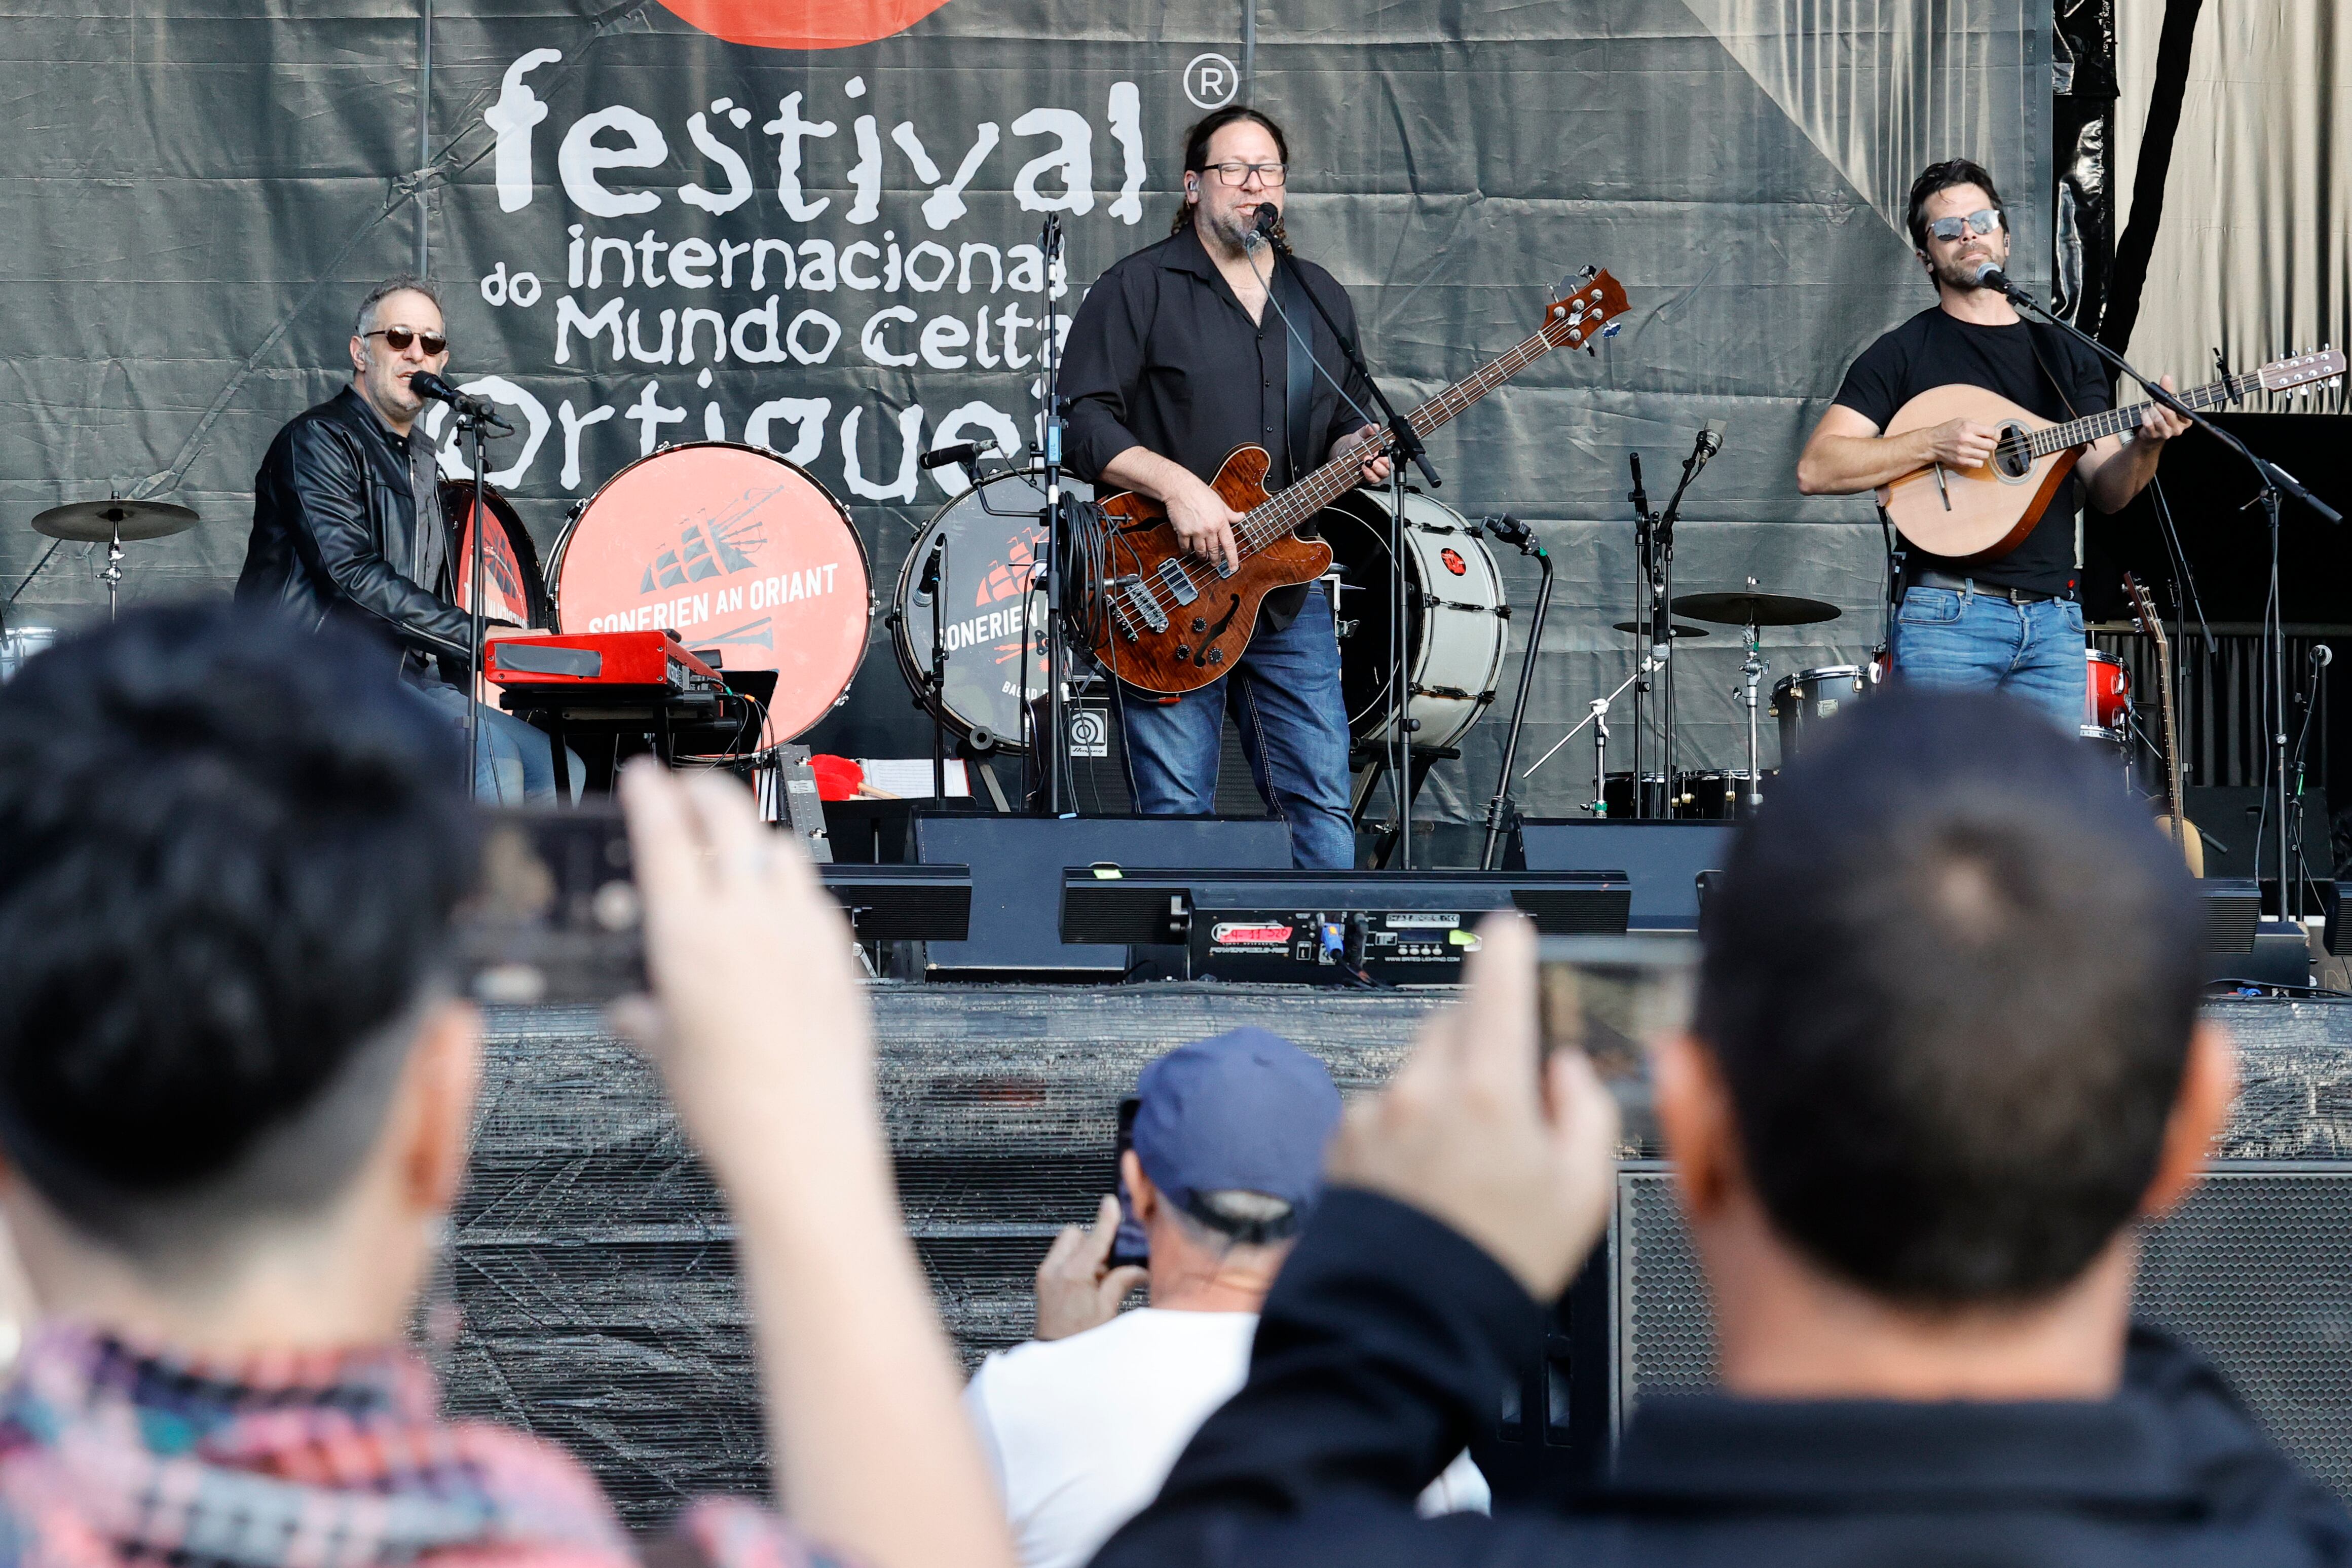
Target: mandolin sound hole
(2014,456)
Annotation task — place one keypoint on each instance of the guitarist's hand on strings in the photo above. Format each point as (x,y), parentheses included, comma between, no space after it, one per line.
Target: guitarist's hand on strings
(1203,523)
(1376,467)
(1962,444)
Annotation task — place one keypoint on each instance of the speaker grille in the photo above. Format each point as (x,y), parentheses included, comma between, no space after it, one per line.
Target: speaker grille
(2256,1271)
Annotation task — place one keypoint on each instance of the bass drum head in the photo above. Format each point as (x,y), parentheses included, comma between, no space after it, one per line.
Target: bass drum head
(1355,526)
(512,586)
(995,544)
(737,550)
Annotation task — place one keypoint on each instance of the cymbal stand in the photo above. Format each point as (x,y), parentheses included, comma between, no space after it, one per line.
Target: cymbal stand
(1753,670)
(1599,719)
(112,575)
(1499,811)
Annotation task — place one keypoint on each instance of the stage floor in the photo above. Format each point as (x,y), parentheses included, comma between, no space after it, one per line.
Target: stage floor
(592,1261)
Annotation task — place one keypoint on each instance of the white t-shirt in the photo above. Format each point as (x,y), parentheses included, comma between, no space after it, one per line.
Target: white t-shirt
(1082,1431)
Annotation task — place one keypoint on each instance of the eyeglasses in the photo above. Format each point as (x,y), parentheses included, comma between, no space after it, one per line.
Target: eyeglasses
(1269,175)
(397,340)
(1984,220)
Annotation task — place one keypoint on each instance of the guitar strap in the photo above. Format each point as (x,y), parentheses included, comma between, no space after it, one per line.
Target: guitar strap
(2033,341)
(1298,382)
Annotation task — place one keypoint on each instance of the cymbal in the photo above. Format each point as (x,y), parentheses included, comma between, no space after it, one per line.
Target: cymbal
(1679,631)
(97,521)
(1754,609)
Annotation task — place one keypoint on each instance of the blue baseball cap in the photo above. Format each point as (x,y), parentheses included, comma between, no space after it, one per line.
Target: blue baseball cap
(1245,1111)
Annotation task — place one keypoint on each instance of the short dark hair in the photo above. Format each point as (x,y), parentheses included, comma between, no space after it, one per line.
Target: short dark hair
(363,319)
(229,849)
(1196,155)
(1943,176)
(1949,976)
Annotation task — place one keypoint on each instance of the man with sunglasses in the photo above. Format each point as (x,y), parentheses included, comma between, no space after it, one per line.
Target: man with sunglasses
(347,526)
(2013,623)
(1175,358)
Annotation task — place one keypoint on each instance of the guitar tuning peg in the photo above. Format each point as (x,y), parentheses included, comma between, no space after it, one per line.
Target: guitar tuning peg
(1592,272)
(1591,349)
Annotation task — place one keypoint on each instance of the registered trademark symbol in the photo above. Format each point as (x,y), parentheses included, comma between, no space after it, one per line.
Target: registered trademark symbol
(1211,80)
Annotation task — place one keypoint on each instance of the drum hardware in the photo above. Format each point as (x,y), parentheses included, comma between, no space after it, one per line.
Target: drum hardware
(1679,632)
(109,522)
(1753,610)
(1752,671)
(1654,558)
(1599,719)
(1703,795)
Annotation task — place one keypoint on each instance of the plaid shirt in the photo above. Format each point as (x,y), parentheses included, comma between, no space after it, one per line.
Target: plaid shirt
(111,1456)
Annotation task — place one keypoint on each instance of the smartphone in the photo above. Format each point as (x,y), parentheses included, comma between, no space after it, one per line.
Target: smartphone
(556,917)
(1131,1245)
(1610,996)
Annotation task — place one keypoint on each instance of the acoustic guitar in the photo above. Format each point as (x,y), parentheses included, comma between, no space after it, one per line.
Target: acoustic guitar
(2177,826)
(1983,513)
(1175,622)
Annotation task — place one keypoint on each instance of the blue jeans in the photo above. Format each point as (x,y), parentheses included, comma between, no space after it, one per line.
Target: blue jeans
(1982,642)
(515,763)
(1294,726)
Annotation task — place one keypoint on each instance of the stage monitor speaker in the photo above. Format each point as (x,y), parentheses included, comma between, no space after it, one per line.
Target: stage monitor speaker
(902,903)
(1017,866)
(2237,828)
(1662,861)
(2254,1270)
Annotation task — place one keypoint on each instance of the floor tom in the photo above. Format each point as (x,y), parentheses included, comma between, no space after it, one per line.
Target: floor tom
(1802,700)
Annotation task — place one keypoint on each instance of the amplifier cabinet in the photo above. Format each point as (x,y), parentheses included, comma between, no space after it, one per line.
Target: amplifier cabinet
(2254,1270)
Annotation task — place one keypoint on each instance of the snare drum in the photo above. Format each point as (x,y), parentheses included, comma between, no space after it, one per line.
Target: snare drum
(1457,619)
(992,604)
(1802,700)
(2106,696)
(737,550)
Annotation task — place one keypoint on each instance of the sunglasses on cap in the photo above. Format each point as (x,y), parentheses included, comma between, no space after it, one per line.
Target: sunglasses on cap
(397,340)
(1984,220)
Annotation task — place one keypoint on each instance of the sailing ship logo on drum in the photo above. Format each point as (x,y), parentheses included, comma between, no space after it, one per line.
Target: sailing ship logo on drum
(704,550)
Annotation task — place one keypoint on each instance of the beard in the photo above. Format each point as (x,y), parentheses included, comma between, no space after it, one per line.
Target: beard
(1233,228)
(1961,276)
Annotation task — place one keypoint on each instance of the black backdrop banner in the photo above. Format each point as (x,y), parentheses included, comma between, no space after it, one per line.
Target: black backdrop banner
(674,221)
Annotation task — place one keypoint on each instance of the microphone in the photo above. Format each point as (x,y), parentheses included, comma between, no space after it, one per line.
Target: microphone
(2322,656)
(1709,442)
(929,583)
(961,453)
(1991,276)
(428,386)
(1263,230)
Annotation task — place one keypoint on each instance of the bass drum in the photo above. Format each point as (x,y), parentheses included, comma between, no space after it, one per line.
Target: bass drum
(513,587)
(1458,620)
(734,549)
(994,542)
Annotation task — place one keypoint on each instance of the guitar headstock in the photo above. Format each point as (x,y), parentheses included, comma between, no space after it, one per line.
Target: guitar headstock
(2144,613)
(1587,301)
(2301,370)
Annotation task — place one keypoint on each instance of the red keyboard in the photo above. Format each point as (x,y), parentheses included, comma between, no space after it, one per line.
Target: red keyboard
(637,663)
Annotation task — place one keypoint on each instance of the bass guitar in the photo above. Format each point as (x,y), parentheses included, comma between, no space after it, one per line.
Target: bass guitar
(1173,622)
(2177,826)
(1983,513)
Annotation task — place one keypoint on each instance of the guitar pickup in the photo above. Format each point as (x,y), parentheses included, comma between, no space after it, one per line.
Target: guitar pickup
(1179,583)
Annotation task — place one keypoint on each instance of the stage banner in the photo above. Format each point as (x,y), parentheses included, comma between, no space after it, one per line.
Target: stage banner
(816,228)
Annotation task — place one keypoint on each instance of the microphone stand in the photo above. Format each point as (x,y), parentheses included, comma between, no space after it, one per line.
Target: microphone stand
(1500,813)
(935,573)
(2276,483)
(1052,749)
(1653,590)
(470,422)
(1405,443)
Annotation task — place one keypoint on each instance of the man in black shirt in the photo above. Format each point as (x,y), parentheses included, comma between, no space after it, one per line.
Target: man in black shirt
(1946,1058)
(1174,360)
(2012,622)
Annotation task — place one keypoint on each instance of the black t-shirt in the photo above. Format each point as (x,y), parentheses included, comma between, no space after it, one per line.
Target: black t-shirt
(1934,349)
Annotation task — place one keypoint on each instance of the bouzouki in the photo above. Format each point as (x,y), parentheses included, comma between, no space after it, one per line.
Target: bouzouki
(2183,832)
(1174,622)
(1983,513)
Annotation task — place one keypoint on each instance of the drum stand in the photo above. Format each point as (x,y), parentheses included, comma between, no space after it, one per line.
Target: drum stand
(1499,811)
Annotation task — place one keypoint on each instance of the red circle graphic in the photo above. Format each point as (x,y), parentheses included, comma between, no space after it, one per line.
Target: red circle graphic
(801,23)
(1453,562)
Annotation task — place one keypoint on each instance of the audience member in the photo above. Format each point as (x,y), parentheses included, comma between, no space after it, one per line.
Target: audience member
(235,1089)
(1946,1058)
(1083,1422)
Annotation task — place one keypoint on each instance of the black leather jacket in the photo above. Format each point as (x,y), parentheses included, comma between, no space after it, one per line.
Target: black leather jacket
(336,532)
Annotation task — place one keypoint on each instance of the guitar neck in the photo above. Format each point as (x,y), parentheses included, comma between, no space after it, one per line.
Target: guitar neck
(1278,516)
(2092,426)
